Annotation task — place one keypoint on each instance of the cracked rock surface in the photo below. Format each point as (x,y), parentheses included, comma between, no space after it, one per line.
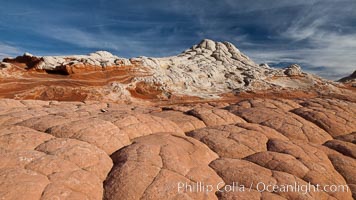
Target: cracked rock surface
(153,160)
(94,150)
(289,124)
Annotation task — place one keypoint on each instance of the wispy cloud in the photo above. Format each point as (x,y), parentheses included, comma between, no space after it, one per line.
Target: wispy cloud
(8,50)
(133,44)
(319,34)
(331,55)
(78,37)
(262,5)
(317,40)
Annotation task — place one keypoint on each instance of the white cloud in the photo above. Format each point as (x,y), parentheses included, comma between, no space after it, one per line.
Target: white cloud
(334,53)
(325,50)
(8,50)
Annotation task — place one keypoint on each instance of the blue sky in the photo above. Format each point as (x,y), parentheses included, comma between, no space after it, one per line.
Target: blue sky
(320,35)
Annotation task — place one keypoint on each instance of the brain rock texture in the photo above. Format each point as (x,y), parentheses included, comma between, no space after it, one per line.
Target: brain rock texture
(92,150)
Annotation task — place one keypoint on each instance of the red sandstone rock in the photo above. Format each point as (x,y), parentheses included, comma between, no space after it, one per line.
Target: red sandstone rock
(253,176)
(21,183)
(100,133)
(346,148)
(279,162)
(232,141)
(154,161)
(185,122)
(84,155)
(61,149)
(215,117)
(335,116)
(348,138)
(289,124)
(321,170)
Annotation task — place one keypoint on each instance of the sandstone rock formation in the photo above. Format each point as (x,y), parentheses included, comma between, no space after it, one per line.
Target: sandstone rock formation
(293,70)
(95,150)
(208,123)
(207,70)
(160,160)
(289,124)
(329,114)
